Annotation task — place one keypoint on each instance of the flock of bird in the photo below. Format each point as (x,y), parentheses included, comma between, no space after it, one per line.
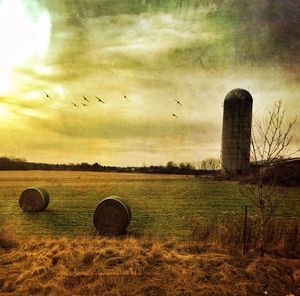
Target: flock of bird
(85,102)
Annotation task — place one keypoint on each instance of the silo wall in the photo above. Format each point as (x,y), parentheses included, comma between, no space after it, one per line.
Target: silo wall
(236,131)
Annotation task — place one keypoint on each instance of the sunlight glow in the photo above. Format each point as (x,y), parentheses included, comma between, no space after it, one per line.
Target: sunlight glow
(59,89)
(23,36)
(30,113)
(42,69)
(4,114)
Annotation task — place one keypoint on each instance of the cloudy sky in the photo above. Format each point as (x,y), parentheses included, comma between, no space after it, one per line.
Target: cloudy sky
(152,51)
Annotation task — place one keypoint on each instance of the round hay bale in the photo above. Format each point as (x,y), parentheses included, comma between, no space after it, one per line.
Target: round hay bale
(34,199)
(112,216)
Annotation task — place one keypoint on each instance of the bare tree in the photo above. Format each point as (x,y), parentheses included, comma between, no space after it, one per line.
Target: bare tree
(271,138)
(210,164)
(270,145)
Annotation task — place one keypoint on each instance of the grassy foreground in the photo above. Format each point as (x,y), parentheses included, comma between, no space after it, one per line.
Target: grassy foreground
(162,204)
(131,266)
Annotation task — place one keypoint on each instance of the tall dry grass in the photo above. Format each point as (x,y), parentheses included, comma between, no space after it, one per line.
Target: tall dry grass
(226,233)
(137,266)
(8,237)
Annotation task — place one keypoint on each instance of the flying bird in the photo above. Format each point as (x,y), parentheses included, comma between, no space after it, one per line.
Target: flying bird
(178,102)
(47,96)
(100,101)
(84,105)
(75,105)
(85,98)
(125,97)
(174,115)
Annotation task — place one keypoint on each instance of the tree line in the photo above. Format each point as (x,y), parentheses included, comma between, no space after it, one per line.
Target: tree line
(204,167)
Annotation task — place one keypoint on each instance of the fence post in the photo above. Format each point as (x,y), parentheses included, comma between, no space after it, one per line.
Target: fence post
(245,231)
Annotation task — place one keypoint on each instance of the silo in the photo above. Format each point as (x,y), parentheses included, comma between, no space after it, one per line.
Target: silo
(236,133)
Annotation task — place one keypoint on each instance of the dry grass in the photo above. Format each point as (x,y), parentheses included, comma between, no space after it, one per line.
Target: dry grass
(226,233)
(8,238)
(143,266)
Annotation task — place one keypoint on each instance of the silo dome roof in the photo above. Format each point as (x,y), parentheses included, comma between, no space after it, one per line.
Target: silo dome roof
(238,94)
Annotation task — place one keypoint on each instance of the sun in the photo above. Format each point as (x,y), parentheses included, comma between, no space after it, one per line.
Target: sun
(24,34)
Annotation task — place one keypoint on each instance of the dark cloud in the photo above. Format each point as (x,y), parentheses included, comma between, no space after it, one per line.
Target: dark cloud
(97,8)
(242,32)
(258,31)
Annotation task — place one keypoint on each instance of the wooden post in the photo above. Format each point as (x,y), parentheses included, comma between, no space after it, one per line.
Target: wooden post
(245,232)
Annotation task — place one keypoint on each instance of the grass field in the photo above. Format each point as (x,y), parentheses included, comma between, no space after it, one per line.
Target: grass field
(164,205)
(137,266)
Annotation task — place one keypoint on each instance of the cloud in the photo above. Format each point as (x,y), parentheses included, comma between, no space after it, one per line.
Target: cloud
(260,31)
(154,52)
(96,36)
(115,42)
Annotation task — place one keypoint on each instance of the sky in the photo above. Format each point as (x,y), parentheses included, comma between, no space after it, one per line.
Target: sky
(151,51)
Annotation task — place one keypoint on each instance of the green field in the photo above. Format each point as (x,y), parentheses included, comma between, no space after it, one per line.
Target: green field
(165,205)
